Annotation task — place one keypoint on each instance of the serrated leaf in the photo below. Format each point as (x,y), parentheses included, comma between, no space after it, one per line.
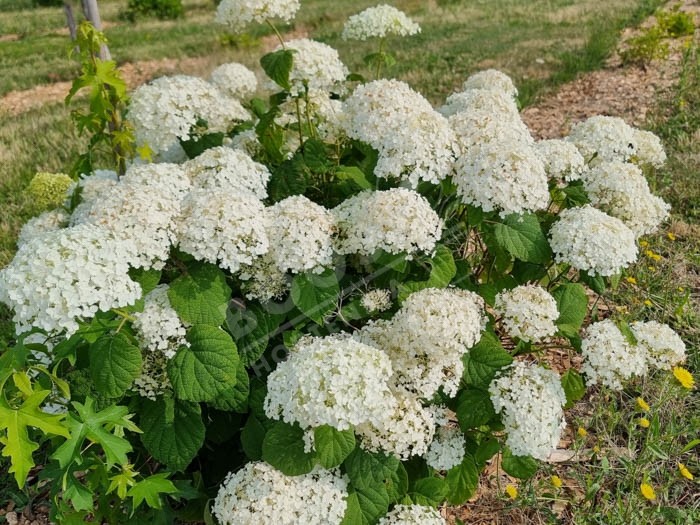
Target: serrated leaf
(114,364)
(278,65)
(522,237)
(354,174)
(522,467)
(148,279)
(289,178)
(174,441)
(474,408)
(79,495)
(572,303)
(483,361)
(315,156)
(283,448)
(429,491)
(373,503)
(150,490)
(207,368)
(357,514)
(485,451)
(316,295)
(332,446)
(15,424)
(235,398)
(201,296)
(442,271)
(573,386)
(462,481)
(374,471)
(251,328)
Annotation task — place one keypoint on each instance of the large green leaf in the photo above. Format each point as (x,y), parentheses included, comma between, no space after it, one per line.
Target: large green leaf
(150,490)
(442,271)
(235,398)
(483,361)
(201,296)
(333,446)
(365,508)
(316,295)
(114,364)
(474,408)
(429,491)
(522,467)
(375,471)
(522,237)
(251,328)
(15,425)
(573,386)
(207,368)
(283,448)
(278,66)
(462,481)
(572,303)
(173,431)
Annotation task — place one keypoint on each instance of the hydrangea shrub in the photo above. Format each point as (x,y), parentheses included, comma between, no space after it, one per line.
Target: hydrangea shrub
(328,305)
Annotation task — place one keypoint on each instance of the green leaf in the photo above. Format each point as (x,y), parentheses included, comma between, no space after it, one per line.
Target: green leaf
(333,446)
(365,508)
(150,489)
(474,408)
(104,428)
(235,398)
(572,303)
(14,423)
(522,237)
(79,495)
(251,328)
(206,369)
(114,364)
(485,451)
(429,491)
(283,448)
(278,65)
(483,361)
(316,157)
(627,332)
(575,195)
(252,437)
(201,296)
(354,174)
(196,145)
(522,467)
(442,270)
(375,471)
(316,295)
(462,481)
(174,440)
(289,178)
(594,282)
(573,386)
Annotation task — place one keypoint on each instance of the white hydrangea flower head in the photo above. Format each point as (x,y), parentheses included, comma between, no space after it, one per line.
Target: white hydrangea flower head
(49,221)
(94,185)
(301,235)
(68,275)
(377,300)
(379,22)
(166,109)
(491,79)
(664,347)
(508,177)
(235,80)
(407,431)
(412,515)
(162,176)
(591,240)
(263,280)
(601,139)
(396,221)
(530,400)
(621,190)
(236,14)
(334,381)
(447,449)
(650,150)
(608,358)
(316,66)
(223,228)
(260,495)
(528,311)
(414,141)
(562,160)
(476,128)
(247,142)
(226,169)
(142,214)
(481,100)
(428,337)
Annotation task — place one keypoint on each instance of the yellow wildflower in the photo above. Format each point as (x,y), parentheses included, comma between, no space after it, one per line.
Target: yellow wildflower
(582,432)
(685,472)
(596,449)
(643,422)
(643,244)
(647,302)
(643,405)
(512,491)
(557,482)
(631,280)
(652,255)
(684,377)
(681,289)
(647,491)
(671,236)
(651,268)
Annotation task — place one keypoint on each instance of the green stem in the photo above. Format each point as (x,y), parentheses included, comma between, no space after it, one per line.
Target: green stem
(379,58)
(277,33)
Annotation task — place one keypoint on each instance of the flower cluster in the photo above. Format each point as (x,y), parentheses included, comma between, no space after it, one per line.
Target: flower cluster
(48,221)
(260,495)
(47,190)
(316,67)
(397,220)
(414,141)
(412,515)
(236,14)
(530,400)
(589,239)
(235,80)
(447,449)
(601,139)
(377,300)
(529,312)
(379,22)
(68,275)
(491,79)
(562,160)
(664,348)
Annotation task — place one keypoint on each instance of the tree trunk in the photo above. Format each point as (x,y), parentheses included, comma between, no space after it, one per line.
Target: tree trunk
(92,13)
(70,20)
